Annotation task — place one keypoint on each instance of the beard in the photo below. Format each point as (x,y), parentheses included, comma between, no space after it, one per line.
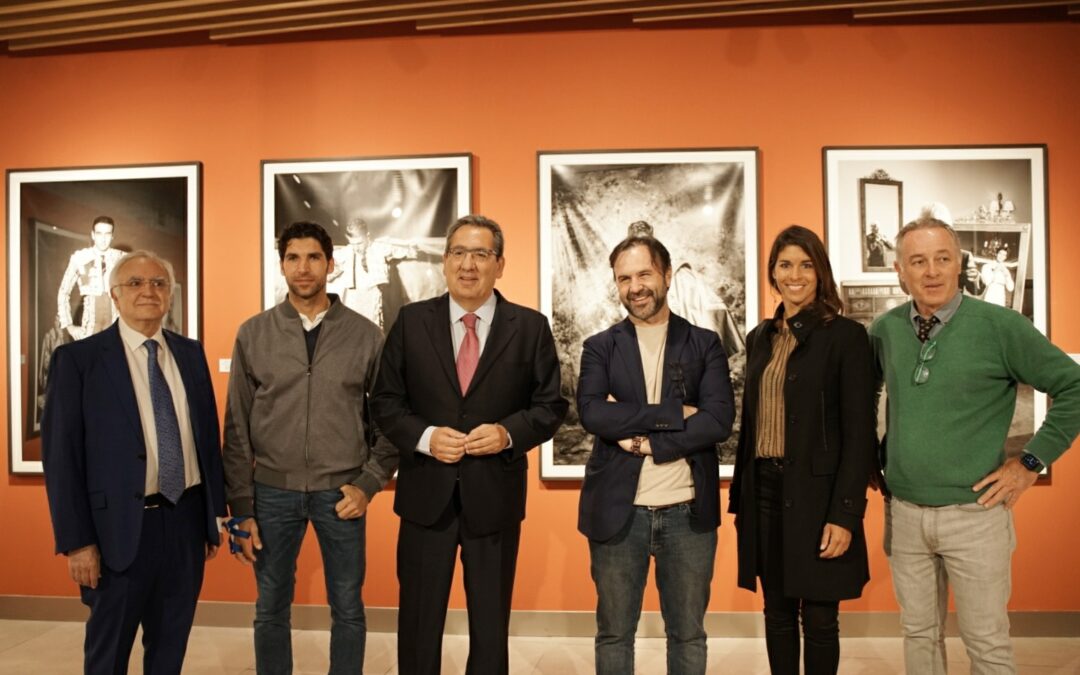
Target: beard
(312,291)
(659,301)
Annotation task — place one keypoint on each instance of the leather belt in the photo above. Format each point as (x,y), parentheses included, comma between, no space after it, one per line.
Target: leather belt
(668,506)
(157,500)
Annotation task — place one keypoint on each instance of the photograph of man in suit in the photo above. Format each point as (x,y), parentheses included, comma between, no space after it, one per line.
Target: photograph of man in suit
(468,383)
(133,472)
(298,449)
(89,269)
(656,393)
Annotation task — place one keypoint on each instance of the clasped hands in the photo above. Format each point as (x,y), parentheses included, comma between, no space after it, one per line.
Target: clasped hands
(450,445)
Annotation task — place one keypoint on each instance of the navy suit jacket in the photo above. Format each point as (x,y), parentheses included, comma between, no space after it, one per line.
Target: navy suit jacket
(695,373)
(93,448)
(516,384)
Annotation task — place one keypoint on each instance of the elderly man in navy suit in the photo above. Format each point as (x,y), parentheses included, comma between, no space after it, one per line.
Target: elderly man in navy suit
(468,383)
(656,392)
(133,472)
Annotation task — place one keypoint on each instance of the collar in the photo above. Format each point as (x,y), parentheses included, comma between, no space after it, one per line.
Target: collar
(944,314)
(485,312)
(134,339)
(800,325)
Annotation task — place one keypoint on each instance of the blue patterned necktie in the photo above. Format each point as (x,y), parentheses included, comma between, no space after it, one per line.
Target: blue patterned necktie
(170,453)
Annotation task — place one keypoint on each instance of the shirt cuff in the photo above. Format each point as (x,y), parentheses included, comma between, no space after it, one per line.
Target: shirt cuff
(424,444)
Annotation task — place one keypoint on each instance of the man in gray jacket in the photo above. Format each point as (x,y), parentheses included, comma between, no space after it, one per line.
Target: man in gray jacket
(299,449)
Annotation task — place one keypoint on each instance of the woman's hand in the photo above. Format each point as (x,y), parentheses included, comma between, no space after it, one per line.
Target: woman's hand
(834,541)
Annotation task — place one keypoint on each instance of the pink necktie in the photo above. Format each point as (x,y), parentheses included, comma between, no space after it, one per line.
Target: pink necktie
(469,354)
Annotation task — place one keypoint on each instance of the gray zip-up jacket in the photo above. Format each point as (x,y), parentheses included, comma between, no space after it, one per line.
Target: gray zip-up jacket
(299,426)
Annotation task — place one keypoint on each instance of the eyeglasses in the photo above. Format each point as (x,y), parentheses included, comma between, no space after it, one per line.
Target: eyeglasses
(480,255)
(922,371)
(136,283)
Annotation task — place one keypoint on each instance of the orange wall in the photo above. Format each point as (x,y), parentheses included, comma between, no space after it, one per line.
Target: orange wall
(788,91)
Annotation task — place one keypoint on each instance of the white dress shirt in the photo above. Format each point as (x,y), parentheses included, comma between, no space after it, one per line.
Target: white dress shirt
(485,313)
(137,353)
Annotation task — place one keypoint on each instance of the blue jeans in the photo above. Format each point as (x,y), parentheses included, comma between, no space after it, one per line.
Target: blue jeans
(684,555)
(282,516)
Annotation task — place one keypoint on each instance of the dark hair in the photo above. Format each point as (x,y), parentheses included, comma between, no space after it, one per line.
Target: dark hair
(102,219)
(659,254)
(305,230)
(827,299)
(477,220)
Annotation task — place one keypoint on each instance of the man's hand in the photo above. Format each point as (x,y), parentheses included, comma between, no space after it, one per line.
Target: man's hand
(1007,483)
(211,551)
(627,444)
(688,410)
(486,439)
(353,505)
(84,565)
(248,545)
(447,445)
(834,541)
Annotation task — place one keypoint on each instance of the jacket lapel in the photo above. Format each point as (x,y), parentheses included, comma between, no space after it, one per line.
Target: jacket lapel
(116,365)
(442,339)
(502,333)
(628,352)
(677,335)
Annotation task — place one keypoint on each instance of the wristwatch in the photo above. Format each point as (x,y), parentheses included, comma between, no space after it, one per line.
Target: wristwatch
(635,446)
(1031,462)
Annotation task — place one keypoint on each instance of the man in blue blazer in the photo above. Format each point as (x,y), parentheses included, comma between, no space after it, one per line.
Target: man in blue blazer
(133,474)
(656,392)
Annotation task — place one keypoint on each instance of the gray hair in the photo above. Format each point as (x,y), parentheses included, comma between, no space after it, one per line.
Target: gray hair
(114,276)
(934,214)
(476,220)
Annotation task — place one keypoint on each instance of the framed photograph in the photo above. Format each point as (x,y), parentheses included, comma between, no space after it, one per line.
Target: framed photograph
(387,216)
(66,230)
(702,204)
(994,197)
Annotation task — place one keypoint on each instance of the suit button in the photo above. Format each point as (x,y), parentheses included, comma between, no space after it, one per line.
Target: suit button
(138,495)
(791,419)
(797,324)
(141,455)
(792,377)
(847,503)
(788,503)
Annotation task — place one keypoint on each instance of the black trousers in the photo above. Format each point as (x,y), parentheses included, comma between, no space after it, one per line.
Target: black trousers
(425,566)
(159,591)
(820,622)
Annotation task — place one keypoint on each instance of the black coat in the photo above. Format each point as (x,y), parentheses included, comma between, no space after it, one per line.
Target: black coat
(828,445)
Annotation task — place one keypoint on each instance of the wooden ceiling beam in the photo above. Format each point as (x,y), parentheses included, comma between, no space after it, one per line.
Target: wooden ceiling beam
(954,8)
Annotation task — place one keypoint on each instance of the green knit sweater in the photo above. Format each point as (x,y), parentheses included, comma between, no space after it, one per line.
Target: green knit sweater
(948,433)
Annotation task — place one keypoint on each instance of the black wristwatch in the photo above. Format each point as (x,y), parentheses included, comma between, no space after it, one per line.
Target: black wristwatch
(1031,462)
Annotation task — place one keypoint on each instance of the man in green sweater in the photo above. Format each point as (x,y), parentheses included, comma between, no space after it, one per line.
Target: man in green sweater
(951,365)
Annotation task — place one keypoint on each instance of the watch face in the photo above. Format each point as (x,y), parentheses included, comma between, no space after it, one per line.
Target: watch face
(1031,462)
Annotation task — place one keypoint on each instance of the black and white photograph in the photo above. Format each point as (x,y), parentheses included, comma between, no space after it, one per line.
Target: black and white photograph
(387,217)
(701,204)
(67,228)
(993,196)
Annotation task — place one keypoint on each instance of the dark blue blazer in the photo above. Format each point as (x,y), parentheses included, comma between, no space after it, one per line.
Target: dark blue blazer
(696,374)
(93,448)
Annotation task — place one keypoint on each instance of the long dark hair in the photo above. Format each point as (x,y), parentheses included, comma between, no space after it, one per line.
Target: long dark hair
(827,299)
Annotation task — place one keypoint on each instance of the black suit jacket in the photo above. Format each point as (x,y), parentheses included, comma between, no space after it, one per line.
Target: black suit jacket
(93,448)
(696,374)
(828,448)
(516,384)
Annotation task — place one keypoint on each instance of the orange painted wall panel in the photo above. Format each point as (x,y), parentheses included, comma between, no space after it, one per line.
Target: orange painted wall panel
(788,91)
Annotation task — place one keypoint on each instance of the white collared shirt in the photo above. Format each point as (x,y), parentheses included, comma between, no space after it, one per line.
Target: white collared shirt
(485,314)
(137,354)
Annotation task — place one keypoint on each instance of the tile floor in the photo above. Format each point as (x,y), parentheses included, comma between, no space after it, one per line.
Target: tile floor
(55,648)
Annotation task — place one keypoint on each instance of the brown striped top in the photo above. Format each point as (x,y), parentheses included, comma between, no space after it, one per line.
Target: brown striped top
(770,417)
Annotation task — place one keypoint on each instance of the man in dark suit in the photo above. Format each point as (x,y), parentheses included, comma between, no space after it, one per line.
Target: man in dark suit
(133,472)
(655,391)
(468,383)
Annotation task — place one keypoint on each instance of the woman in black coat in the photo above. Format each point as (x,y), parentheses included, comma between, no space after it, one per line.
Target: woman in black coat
(805,452)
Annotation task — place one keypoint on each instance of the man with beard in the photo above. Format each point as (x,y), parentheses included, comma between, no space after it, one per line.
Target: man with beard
(656,392)
(298,449)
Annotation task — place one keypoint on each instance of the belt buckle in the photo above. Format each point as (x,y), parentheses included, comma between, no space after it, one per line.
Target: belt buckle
(147,507)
